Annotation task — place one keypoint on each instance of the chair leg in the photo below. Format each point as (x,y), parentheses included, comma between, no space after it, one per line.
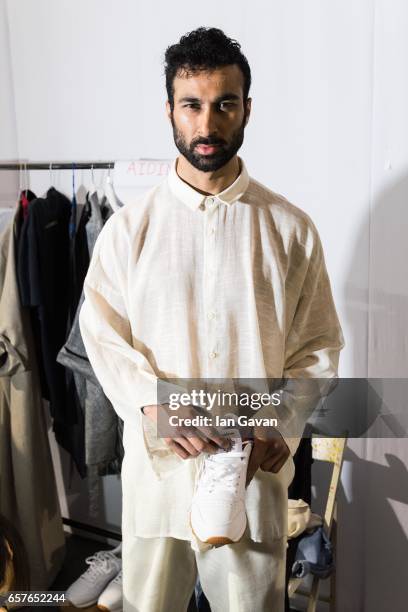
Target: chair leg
(314,594)
(333,576)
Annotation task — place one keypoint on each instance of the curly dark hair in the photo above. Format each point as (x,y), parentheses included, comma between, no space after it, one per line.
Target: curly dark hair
(204,49)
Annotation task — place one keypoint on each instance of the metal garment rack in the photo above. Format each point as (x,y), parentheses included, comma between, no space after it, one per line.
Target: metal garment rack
(89,165)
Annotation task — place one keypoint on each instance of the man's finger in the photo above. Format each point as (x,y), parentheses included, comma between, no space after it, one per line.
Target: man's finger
(211,434)
(201,445)
(186,443)
(176,448)
(274,464)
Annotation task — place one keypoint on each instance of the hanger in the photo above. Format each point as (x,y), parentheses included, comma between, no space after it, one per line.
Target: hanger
(72,221)
(110,193)
(26,178)
(20,180)
(25,195)
(93,187)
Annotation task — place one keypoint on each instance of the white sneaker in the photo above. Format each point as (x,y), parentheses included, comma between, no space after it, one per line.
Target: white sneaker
(111,599)
(218,508)
(103,566)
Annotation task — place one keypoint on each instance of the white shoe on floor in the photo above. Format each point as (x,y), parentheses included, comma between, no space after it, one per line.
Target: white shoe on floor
(111,599)
(218,507)
(103,567)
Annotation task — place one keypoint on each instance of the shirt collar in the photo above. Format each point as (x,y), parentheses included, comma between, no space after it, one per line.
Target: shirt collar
(192,198)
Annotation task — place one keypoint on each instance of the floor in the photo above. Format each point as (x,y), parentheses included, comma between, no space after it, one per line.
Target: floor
(78,548)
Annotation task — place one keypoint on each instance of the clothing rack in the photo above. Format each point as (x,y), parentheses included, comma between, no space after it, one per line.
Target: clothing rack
(89,165)
(113,535)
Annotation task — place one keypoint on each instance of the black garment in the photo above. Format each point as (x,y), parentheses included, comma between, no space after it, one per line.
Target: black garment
(72,436)
(79,263)
(45,277)
(301,485)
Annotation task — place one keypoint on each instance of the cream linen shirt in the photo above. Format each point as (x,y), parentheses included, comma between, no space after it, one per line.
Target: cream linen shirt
(183,285)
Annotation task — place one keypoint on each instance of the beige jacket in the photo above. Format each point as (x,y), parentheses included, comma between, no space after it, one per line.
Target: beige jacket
(28,494)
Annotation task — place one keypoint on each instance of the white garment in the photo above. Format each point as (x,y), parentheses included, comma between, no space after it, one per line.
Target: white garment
(159,575)
(301,518)
(183,285)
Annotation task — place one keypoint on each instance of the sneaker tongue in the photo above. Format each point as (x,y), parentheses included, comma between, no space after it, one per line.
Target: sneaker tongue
(236,445)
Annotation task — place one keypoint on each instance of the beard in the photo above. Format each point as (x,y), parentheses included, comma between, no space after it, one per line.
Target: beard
(214,161)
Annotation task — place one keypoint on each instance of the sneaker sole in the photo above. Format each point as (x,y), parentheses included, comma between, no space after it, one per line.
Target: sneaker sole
(218,540)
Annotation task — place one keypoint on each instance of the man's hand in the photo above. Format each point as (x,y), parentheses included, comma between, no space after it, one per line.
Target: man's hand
(268,453)
(186,442)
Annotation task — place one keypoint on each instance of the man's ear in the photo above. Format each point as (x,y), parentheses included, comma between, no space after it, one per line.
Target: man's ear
(248,106)
(168,110)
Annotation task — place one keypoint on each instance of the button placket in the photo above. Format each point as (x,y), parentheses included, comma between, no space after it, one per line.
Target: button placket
(210,267)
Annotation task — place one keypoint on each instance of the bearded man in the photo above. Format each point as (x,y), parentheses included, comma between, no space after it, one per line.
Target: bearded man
(209,275)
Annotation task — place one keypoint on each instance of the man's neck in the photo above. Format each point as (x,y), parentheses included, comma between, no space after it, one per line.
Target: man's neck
(208,183)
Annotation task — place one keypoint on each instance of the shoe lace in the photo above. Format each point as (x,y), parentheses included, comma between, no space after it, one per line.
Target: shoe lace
(99,564)
(223,473)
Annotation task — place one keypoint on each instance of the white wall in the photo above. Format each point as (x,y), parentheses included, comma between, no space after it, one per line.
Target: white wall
(8,132)
(328,130)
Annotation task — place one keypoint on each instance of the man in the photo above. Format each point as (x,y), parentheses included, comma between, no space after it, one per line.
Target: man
(210,275)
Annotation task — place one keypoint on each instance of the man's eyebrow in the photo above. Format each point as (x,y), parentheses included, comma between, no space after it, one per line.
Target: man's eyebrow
(189,99)
(226,96)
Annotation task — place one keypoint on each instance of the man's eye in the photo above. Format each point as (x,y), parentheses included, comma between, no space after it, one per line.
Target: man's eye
(192,105)
(227,105)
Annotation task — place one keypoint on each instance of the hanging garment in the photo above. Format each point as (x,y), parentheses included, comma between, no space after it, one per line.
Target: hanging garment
(44,281)
(103,445)
(28,493)
(6,215)
(314,555)
(26,197)
(45,276)
(111,196)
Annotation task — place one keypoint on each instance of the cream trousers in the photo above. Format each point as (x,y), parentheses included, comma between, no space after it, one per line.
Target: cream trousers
(159,575)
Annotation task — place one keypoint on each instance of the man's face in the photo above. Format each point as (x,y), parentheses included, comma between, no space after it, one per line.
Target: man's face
(209,116)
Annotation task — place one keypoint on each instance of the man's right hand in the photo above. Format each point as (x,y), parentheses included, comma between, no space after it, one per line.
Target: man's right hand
(187,442)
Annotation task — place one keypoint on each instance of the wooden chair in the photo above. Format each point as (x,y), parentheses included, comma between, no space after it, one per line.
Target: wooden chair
(331,450)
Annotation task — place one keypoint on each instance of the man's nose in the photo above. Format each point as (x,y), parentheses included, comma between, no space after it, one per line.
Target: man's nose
(208,122)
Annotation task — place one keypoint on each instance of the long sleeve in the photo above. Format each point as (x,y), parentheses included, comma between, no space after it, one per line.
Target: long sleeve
(314,339)
(313,344)
(124,372)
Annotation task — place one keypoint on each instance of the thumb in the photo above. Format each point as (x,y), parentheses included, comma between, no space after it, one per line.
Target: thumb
(255,459)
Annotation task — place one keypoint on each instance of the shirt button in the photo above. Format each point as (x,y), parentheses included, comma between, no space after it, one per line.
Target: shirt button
(210,201)
(212,230)
(213,355)
(202,206)
(211,314)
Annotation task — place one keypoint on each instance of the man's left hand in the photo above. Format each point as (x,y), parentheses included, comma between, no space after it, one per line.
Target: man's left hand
(268,453)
